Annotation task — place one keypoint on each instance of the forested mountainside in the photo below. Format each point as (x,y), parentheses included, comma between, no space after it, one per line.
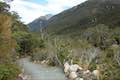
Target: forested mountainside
(87,14)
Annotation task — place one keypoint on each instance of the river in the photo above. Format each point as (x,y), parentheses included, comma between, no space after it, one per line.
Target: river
(41,72)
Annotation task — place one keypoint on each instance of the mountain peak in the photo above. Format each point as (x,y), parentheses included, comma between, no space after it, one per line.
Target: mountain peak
(46,17)
(39,22)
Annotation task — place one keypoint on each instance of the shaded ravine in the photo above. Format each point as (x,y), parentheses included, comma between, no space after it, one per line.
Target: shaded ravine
(40,72)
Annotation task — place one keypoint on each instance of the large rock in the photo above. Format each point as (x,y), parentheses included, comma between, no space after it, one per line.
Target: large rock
(66,67)
(96,74)
(72,71)
(86,72)
(73,76)
(74,68)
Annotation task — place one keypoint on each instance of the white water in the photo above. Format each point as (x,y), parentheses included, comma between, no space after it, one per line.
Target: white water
(40,72)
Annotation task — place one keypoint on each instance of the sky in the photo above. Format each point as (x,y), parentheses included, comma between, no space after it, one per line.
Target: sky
(32,9)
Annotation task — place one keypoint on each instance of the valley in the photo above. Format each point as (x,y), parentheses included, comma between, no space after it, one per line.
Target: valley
(80,43)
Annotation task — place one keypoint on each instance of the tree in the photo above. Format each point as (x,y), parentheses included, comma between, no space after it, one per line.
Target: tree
(24,42)
(4,7)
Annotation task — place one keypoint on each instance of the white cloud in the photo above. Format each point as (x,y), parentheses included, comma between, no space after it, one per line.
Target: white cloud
(30,11)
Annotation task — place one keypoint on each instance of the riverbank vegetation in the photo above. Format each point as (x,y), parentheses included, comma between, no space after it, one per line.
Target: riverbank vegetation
(9,70)
(95,46)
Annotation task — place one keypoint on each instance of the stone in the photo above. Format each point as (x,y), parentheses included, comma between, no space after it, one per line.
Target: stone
(43,62)
(34,61)
(86,72)
(96,73)
(74,68)
(72,75)
(79,79)
(66,67)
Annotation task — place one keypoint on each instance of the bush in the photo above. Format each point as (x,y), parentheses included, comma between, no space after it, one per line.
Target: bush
(99,36)
(39,55)
(8,72)
(61,50)
(109,63)
(24,42)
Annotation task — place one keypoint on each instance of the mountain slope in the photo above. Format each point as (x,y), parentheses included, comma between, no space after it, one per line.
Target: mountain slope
(89,13)
(38,23)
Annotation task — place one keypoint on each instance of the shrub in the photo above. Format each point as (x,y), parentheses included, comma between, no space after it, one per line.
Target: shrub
(39,54)
(110,63)
(8,72)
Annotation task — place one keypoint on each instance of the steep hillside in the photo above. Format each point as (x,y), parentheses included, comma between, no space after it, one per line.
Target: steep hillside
(89,13)
(39,22)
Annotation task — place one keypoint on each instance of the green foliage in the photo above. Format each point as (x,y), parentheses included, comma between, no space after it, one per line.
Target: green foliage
(8,72)
(84,54)
(81,43)
(39,42)
(99,36)
(39,54)
(109,63)
(116,35)
(24,42)
(4,7)
(63,50)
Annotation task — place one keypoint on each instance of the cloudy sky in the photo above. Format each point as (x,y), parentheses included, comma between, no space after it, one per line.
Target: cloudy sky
(32,9)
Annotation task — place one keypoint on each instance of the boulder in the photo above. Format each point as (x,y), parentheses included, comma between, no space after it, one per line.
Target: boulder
(86,72)
(74,68)
(72,75)
(43,62)
(96,73)
(66,67)
(34,61)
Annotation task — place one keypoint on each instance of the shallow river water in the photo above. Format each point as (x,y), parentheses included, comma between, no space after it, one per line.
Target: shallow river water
(41,72)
